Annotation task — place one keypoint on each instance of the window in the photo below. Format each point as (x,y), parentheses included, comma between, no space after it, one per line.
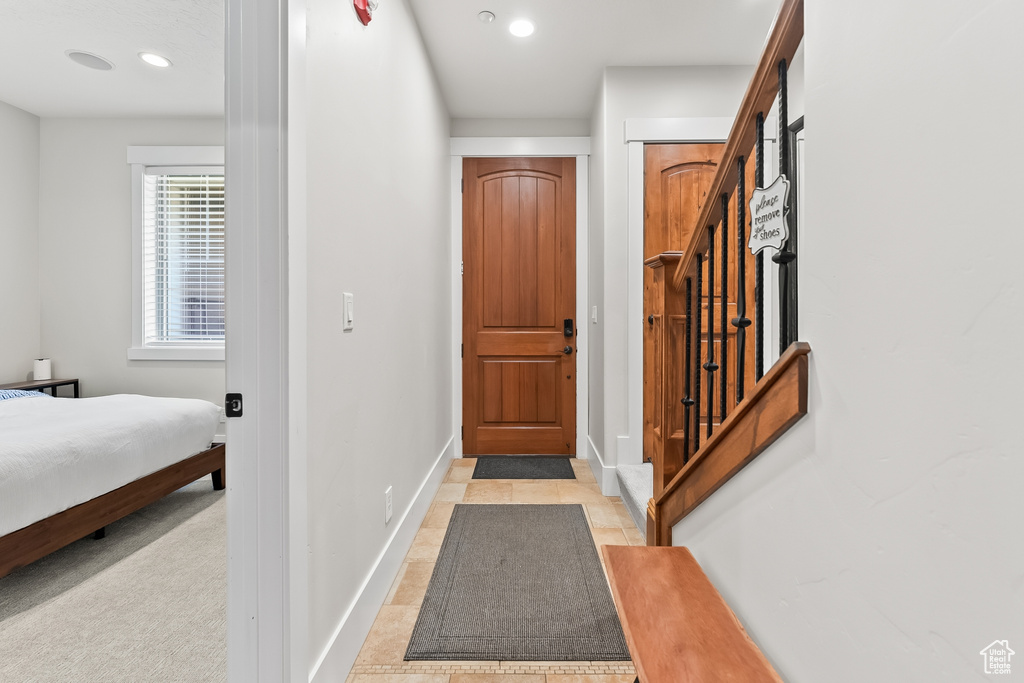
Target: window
(178,238)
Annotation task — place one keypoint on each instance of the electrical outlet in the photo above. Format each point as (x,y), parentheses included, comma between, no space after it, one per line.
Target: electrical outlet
(387,505)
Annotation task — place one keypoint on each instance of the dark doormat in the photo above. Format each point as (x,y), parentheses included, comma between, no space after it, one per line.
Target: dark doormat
(518,583)
(522,467)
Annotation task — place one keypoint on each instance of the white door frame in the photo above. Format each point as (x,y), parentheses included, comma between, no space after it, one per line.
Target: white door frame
(637,133)
(578,147)
(265,461)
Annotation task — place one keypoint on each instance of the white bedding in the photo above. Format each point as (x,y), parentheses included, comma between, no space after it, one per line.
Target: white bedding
(56,453)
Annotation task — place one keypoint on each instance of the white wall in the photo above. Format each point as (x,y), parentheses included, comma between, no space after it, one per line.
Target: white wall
(379,397)
(85,257)
(632,92)
(19,239)
(881,538)
(526,128)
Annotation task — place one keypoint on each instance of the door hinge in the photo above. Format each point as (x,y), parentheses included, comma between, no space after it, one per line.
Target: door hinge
(462,351)
(462,267)
(233,405)
(463,432)
(463,185)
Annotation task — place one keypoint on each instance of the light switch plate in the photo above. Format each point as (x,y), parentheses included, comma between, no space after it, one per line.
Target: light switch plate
(348,314)
(593,315)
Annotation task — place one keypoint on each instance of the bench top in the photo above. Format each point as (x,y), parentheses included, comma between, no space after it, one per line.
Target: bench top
(678,627)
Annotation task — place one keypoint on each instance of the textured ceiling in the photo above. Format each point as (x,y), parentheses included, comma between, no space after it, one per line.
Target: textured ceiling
(484,71)
(35,75)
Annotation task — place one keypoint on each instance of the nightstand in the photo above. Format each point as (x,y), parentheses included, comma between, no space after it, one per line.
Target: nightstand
(42,384)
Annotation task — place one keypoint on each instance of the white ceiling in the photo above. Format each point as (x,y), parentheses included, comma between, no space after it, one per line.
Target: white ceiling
(36,76)
(484,71)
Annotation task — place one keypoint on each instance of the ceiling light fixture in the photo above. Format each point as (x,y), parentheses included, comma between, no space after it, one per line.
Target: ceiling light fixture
(485,17)
(89,59)
(521,28)
(154,59)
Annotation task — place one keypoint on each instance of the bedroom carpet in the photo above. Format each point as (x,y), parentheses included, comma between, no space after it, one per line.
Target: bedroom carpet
(523,467)
(146,603)
(518,583)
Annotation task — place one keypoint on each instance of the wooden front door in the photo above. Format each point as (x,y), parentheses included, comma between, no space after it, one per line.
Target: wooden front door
(676,182)
(519,289)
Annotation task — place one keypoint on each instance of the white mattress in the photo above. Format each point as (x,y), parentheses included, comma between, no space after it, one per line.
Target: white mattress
(58,452)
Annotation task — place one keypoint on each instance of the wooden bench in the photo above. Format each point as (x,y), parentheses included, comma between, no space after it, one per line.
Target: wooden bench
(677,626)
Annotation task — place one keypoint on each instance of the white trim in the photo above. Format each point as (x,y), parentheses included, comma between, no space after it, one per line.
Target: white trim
(260,610)
(176,155)
(707,129)
(539,147)
(335,662)
(604,474)
(175,352)
(520,147)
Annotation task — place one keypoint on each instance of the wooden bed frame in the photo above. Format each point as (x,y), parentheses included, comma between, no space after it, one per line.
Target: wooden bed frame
(27,545)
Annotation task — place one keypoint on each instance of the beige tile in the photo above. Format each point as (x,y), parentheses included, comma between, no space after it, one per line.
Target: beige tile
(532,491)
(497,678)
(389,636)
(602,516)
(464,462)
(634,537)
(488,492)
(592,678)
(438,516)
(608,537)
(395,583)
(399,678)
(414,584)
(426,545)
(450,493)
(625,521)
(459,474)
(573,492)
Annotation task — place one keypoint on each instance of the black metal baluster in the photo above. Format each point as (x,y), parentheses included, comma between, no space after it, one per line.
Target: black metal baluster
(696,374)
(741,322)
(723,306)
(688,369)
(711,365)
(784,255)
(759,261)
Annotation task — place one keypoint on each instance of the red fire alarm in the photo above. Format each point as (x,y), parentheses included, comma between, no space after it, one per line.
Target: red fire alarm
(363,9)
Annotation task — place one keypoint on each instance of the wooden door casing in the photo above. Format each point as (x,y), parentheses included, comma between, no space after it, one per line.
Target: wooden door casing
(519,286)
(676,182)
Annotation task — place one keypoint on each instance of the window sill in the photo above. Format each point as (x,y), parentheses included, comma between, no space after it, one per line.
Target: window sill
(176,353)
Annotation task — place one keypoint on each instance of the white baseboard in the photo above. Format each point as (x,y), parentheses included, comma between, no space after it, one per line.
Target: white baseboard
(340,654)
(604,474)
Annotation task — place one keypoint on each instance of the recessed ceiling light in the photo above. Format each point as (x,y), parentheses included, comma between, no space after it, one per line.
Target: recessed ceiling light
(485,17)
(155,60)
(521,28)
(89,59)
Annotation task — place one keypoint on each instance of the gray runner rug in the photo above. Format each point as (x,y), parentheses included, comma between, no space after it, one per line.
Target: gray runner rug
(522,467)
(518,583)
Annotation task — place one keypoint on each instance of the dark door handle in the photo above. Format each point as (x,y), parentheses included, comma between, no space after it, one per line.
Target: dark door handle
(650,320)
(567,350)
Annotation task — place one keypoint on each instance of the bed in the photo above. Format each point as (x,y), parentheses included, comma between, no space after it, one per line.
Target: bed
(69,467)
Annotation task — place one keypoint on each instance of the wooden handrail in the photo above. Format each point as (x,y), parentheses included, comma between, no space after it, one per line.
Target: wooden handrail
(778,400)
(782,43)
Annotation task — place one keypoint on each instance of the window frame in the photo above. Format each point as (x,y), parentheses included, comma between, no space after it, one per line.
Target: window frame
(208,158)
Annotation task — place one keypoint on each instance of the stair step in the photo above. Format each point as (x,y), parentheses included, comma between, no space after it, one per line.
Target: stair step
(636,486)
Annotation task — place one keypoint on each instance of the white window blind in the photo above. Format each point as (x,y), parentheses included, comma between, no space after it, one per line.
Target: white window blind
(183,256)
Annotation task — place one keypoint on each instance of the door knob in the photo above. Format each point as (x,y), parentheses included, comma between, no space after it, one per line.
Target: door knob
(567,350)
(650,320)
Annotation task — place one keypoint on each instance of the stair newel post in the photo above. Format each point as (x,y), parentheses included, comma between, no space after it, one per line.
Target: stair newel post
(696,368)
(723,310)
(759,260)
(784,256)
(711,366)
(687,372)
(741,322)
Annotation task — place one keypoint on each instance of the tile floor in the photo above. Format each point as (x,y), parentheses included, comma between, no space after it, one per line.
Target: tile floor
(380,659)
